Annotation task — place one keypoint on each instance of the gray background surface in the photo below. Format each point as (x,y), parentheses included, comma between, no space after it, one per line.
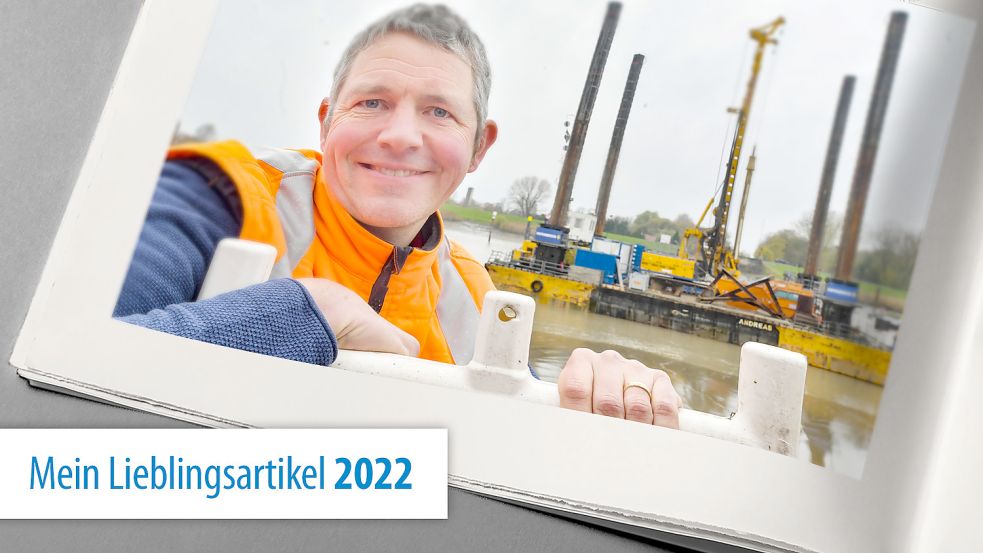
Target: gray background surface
(58,59)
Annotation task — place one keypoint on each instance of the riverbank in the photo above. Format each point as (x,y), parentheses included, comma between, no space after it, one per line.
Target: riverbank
(516,224)
(507,222)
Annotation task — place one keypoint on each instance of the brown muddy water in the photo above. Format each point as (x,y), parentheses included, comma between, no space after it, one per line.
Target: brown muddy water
(838,412)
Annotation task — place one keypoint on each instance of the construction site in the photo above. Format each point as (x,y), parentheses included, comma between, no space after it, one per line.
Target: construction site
(706,287)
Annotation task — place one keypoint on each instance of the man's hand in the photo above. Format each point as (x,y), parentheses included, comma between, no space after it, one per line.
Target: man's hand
(608,384)
(355,324)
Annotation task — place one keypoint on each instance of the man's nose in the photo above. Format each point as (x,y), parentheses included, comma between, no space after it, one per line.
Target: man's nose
(402,131)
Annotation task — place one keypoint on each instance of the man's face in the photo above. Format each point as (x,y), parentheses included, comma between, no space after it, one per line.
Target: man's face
(402,135)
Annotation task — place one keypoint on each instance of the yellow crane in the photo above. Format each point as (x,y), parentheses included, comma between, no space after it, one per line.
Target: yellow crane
(712,242)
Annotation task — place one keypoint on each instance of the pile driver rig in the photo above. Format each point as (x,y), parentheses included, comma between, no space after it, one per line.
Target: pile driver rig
(711,243)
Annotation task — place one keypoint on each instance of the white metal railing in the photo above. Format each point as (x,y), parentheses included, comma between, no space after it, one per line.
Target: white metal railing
(770,389)
(528,263)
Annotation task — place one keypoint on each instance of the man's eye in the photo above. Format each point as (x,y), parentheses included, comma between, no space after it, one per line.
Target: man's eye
(441,113)
(372,104)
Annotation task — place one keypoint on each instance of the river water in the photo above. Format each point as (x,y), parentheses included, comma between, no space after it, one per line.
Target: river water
(838,411)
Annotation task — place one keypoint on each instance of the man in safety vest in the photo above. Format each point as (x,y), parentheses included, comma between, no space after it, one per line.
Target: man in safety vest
(362,259)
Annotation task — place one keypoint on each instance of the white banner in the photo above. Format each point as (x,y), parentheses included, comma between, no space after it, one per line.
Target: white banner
(223,474)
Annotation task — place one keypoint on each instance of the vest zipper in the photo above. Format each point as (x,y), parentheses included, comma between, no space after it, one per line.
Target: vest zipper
(393,266)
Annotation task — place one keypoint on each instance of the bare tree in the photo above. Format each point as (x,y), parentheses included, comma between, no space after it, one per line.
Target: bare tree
(526,193)
(831,232)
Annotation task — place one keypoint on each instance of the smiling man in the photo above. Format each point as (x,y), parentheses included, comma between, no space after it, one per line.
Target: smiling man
(363,261)
(402,133)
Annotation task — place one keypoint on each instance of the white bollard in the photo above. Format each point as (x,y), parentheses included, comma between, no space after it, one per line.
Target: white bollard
(501,358)
(236,264)
(501,349)
(770,388)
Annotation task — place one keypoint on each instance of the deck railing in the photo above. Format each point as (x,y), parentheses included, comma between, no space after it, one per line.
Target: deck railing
(528,262)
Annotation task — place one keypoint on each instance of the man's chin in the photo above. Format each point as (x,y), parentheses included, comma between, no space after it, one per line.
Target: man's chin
(387,216)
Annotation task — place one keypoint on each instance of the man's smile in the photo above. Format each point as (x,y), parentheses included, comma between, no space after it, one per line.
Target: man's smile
(392,171)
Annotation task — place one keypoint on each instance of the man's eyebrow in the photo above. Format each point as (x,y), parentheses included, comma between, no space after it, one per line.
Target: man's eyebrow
(438,99)
(373,89)
(385,89)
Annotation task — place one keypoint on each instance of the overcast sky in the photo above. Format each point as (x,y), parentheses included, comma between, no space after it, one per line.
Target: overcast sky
(268,64)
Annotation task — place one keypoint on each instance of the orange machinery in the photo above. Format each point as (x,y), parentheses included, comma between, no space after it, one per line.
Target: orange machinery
(778,298)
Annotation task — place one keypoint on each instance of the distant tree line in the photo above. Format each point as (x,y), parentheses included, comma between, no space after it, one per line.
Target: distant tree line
(889,262)
(532,195)
(649,225)
(792,245)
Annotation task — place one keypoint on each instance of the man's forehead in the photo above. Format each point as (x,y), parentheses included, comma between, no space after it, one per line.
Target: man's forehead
(395,55)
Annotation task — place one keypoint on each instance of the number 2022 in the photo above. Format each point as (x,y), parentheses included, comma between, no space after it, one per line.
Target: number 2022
(363,474)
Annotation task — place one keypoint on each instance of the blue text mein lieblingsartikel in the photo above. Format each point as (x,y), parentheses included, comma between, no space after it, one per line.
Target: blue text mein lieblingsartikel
(175,473)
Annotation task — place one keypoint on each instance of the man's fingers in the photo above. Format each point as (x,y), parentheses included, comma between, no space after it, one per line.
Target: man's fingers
(665,402)
(576,381)
(609,383)
(638,387)
(371,332)
(403,343)
(355,324)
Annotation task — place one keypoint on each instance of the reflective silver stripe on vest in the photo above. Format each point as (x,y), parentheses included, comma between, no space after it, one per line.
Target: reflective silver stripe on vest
(456,312)
(294,204)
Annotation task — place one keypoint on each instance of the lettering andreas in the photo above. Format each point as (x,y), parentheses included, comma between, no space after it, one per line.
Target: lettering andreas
(756,324)
(363,260)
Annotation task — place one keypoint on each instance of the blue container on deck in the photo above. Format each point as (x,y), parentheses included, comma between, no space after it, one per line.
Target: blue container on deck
(606,263)
(842,291)
(636,257)
(548,236)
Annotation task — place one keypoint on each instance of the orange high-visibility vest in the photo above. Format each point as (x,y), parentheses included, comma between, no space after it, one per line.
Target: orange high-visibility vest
(434,293)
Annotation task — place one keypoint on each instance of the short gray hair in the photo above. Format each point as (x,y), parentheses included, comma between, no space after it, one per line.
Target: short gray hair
(437,25)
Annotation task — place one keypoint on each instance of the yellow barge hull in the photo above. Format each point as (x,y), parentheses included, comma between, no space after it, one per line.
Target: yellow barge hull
(836,354)
(541,286)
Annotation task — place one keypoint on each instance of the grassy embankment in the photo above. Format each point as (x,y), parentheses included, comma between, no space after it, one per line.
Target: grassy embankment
(517,224)
(504,221)
(870,293)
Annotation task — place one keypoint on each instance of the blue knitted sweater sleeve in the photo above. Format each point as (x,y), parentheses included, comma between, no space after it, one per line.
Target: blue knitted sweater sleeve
(186,220)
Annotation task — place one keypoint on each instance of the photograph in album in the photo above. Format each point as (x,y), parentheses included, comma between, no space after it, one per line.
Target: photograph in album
(667,254)
(646,261)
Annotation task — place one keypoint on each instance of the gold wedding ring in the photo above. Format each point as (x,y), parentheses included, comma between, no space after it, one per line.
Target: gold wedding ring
(640,386)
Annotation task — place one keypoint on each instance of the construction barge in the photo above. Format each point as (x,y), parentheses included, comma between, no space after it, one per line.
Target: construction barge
(681,305)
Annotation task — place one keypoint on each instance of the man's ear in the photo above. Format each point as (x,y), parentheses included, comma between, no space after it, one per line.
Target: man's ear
(322,115)
(487,138)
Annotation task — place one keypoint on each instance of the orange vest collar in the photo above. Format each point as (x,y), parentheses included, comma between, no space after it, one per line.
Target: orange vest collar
(356,249)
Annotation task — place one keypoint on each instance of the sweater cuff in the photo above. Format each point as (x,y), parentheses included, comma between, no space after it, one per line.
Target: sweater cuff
(332,342)
(277,317)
